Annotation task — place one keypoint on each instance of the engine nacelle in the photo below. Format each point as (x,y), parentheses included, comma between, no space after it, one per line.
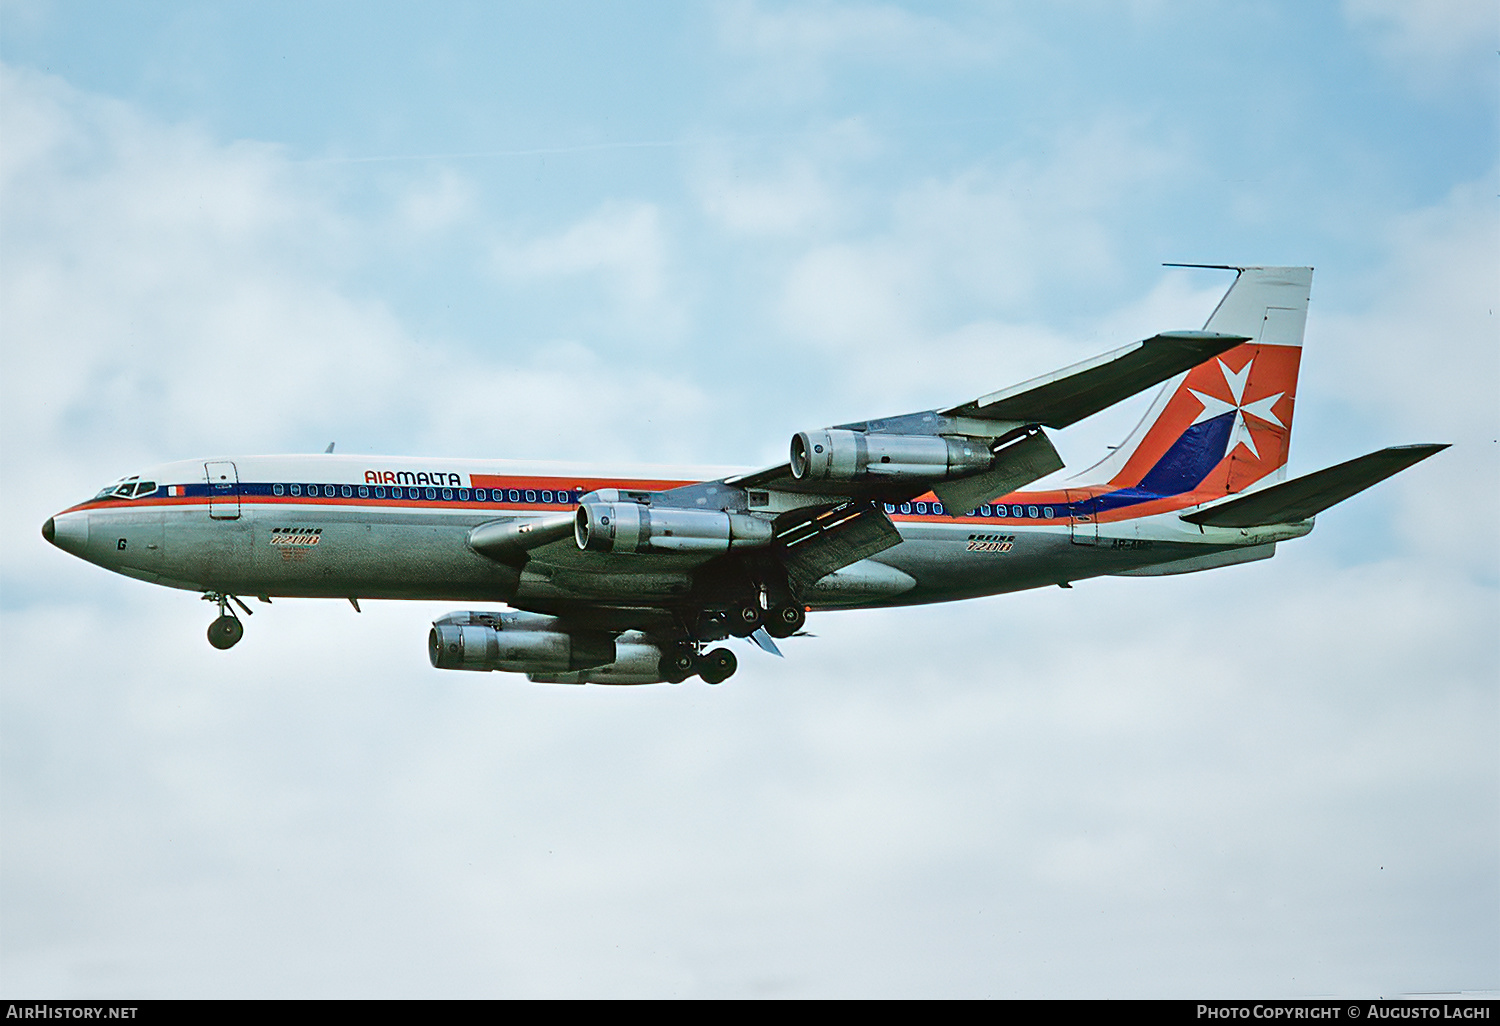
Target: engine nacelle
(636,662)
(631,527)
(836,454)
(516,643)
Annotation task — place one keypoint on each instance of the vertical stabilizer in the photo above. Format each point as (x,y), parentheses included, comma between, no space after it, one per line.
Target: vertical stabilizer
(1225,425)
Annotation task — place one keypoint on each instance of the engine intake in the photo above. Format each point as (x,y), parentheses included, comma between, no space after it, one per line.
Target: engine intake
(837,454)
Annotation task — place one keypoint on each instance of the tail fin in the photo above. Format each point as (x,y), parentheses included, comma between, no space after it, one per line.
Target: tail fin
(1226,424)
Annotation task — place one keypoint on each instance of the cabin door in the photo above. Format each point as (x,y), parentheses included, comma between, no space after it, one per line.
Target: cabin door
(223,490)
(1083,510)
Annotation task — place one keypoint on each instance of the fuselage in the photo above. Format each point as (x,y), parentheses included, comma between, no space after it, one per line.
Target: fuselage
(337,526)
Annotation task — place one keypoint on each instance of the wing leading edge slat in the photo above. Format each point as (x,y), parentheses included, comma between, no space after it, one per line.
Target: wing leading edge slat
(1069,395)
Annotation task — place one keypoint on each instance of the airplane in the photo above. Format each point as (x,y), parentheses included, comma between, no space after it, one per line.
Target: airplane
(614,578)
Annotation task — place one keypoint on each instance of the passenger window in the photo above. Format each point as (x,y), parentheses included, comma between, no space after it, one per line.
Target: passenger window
(921,507)
(1031,512)
(347,491)
(479,494)
(515,496)
(379,492)
(432,493)
(547,496)
(530,495)
(277,490)
(296,489)
(447,494)
(364,493)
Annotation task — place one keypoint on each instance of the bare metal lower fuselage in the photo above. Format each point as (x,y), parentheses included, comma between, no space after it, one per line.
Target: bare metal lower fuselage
(345,547)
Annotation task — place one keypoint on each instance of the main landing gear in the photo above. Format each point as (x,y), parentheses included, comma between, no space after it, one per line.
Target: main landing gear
(681,661)
(227,630)
(785,619)
(780,615)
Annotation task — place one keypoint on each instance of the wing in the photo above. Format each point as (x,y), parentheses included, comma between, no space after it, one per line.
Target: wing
(1002,418)
(820,511)
(1067,396)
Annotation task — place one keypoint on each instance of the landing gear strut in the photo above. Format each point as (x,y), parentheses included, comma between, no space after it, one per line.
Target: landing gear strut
(227,630)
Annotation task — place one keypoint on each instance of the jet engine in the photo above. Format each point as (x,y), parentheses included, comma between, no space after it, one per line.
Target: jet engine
(539,647)
(836,454)
(515,642)
(631,527)
(637,661)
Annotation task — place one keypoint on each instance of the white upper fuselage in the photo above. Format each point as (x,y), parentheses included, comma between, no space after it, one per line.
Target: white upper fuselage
(396,527)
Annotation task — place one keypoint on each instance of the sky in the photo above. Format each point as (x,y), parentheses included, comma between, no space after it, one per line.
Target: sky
(679,234)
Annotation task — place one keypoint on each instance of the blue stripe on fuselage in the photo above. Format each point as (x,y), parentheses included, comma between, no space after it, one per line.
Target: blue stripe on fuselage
(1181,468)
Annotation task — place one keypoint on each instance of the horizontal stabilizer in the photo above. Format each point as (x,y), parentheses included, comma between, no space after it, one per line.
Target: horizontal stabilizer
(1307,496)
(1073,393)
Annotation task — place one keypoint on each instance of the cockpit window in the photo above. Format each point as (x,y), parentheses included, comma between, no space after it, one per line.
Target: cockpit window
(130,488)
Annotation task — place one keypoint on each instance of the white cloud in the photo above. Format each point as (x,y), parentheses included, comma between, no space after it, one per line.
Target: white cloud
(873,32)
(789,201)
(1411,357)
(622,245)
(1436,44)
(442,201)
(165,296)
(893,314)
(1275,779)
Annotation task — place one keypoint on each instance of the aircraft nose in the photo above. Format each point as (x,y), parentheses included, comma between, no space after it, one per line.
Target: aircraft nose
(68,531)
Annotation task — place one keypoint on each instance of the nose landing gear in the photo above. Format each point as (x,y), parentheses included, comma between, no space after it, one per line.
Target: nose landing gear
(227,630)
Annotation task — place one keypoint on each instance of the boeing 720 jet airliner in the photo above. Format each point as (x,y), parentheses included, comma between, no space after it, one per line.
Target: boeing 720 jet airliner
(620,579)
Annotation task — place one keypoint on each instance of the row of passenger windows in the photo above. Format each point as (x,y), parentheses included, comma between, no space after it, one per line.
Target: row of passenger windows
(447,494)
(138,489)
(1000,510)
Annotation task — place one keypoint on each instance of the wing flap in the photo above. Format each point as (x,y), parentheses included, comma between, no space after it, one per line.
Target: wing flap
(1309,495)
(816,547)
(1016,465)
(1069,395)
